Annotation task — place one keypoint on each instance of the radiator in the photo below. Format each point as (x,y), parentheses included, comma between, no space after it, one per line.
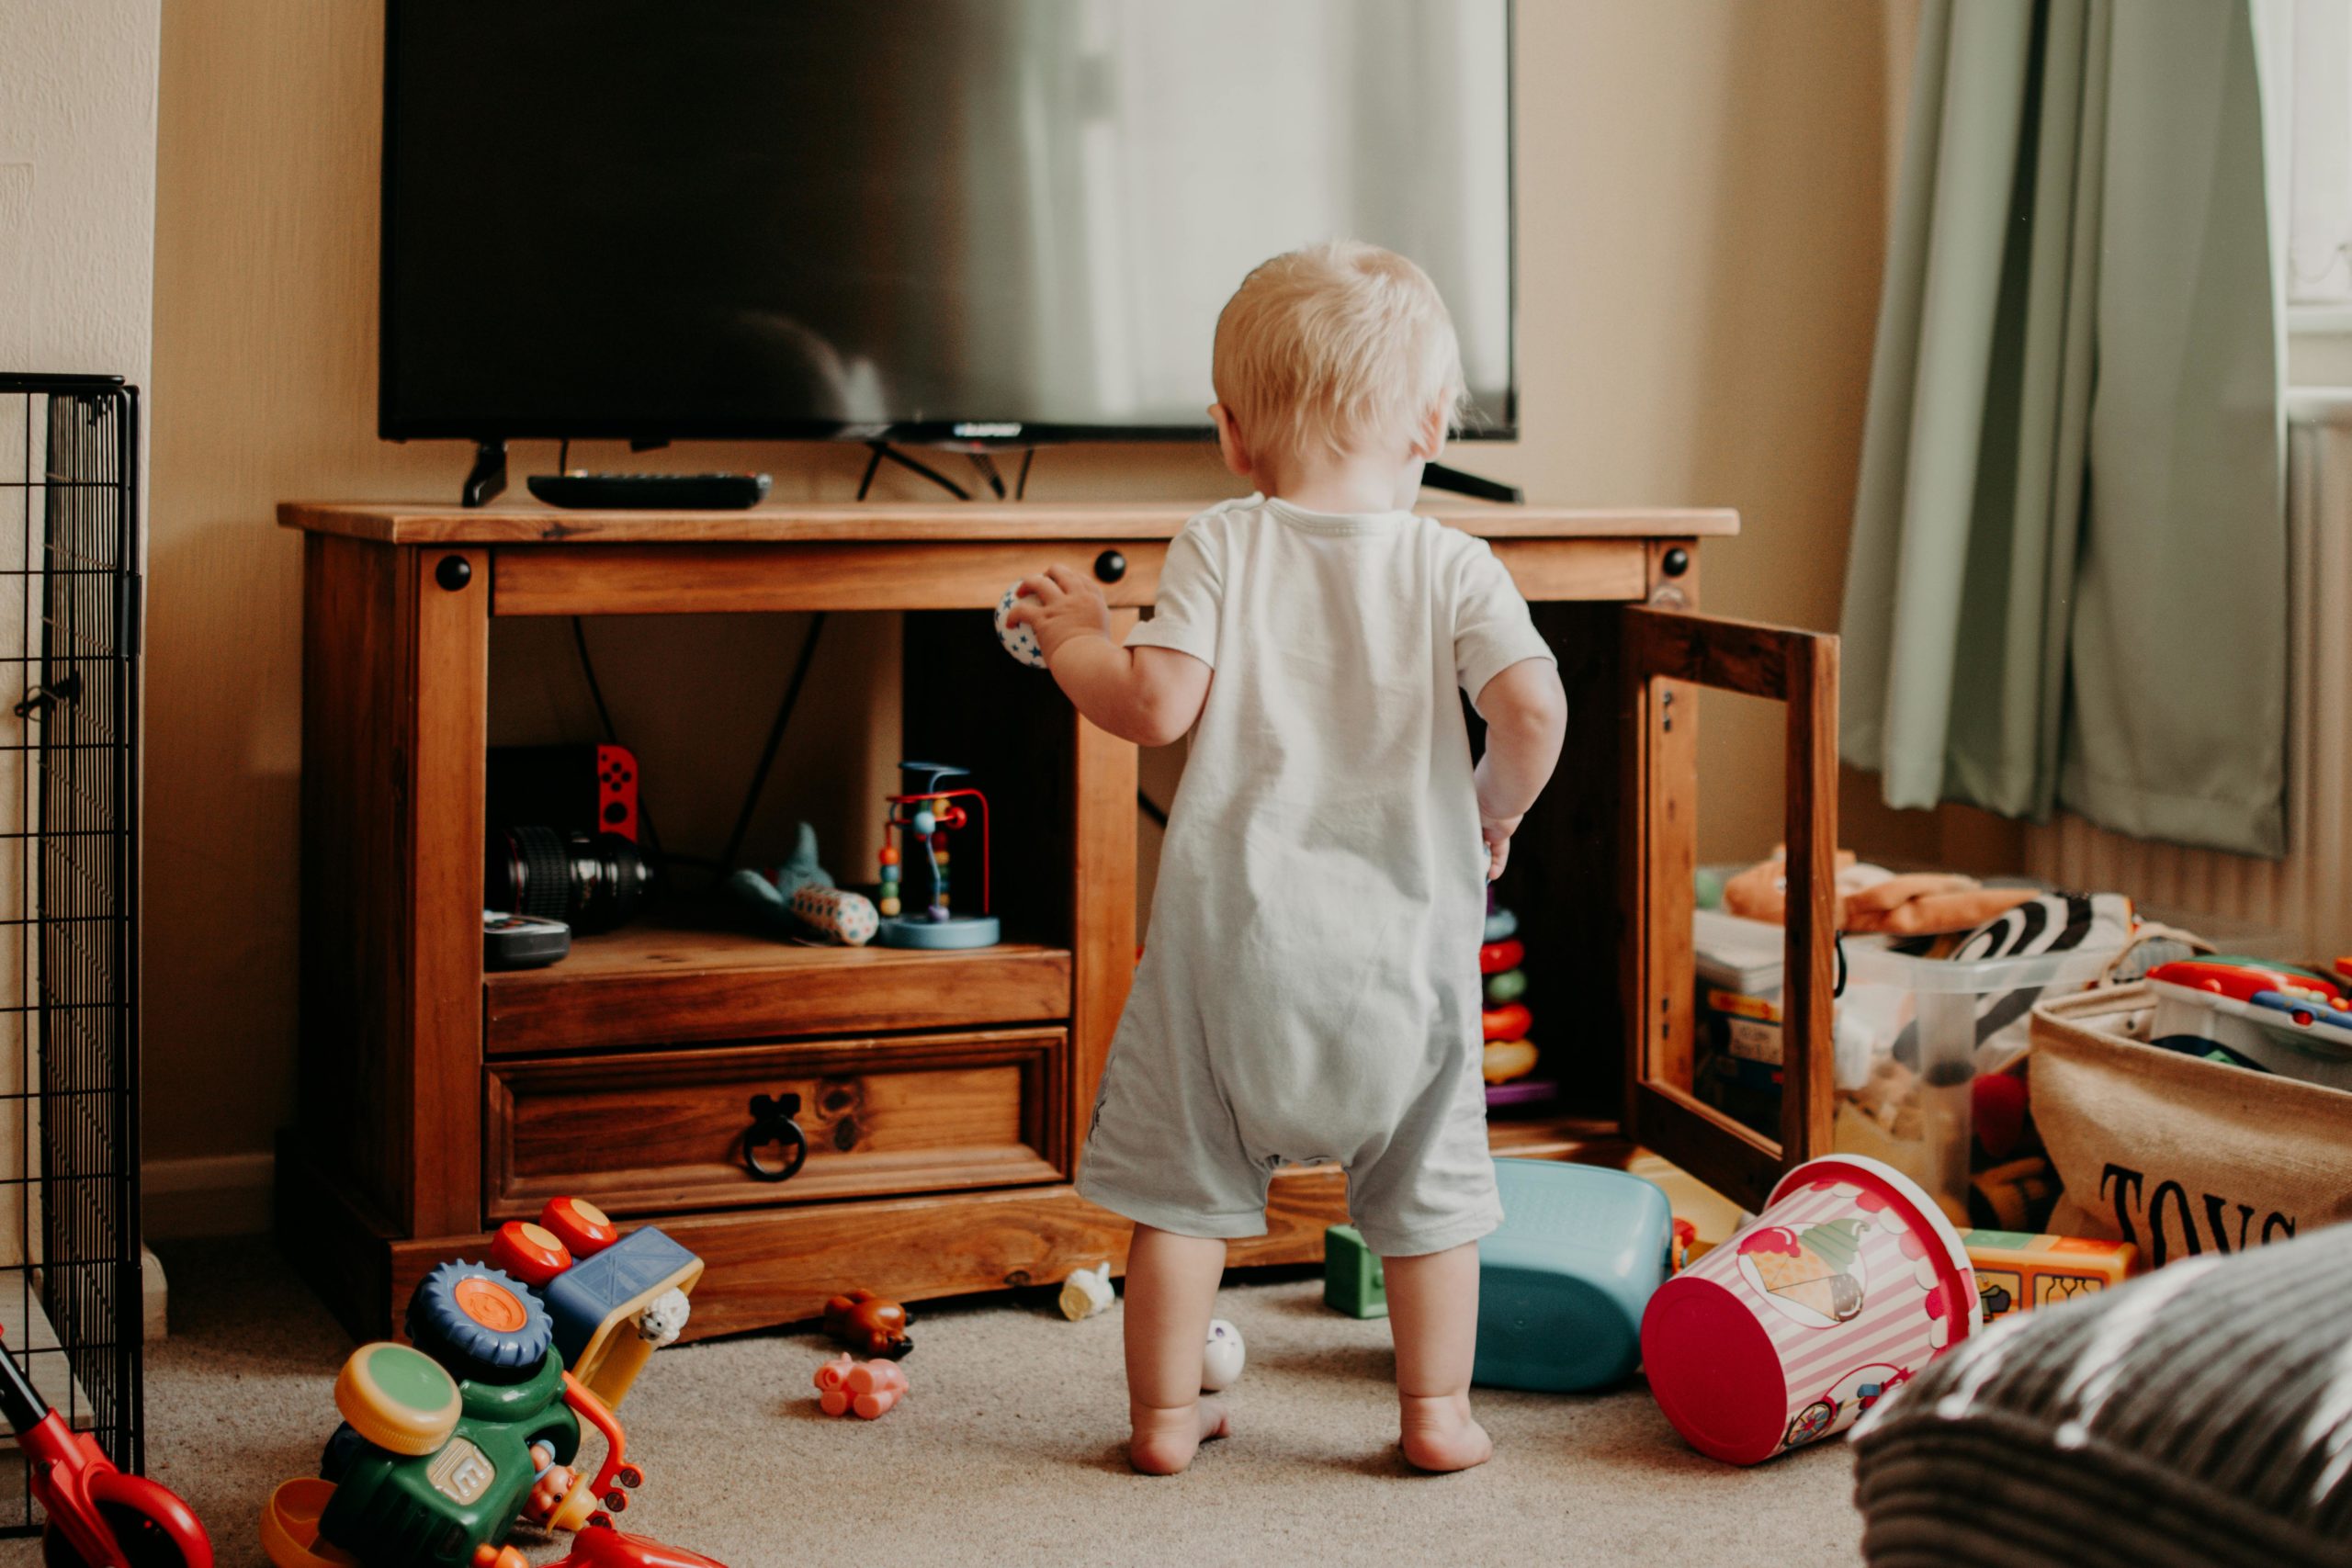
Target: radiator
(2305,897)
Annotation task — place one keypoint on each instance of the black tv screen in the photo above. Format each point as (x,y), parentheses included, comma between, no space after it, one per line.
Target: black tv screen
(927,219)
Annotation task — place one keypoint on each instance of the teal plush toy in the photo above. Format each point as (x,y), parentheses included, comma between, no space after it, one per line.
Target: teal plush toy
(798,899)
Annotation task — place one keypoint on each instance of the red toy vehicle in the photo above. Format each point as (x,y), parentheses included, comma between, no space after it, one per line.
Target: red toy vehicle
(599,1545)
(98,1518)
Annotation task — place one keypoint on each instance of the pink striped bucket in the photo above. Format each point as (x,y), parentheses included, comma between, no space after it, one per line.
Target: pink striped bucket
(1850,1281)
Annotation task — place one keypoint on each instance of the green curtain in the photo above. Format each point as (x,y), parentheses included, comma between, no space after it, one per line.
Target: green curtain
(2067,579)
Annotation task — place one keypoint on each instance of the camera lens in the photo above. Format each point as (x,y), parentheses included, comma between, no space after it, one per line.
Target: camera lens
(592,882)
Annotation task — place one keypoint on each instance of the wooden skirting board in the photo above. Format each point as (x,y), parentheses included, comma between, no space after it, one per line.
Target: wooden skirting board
(781,1265)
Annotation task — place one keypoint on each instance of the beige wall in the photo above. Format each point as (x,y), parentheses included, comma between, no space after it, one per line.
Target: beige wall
(77,216)
(1702,202)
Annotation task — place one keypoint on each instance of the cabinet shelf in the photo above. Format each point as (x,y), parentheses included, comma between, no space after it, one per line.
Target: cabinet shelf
(951,1089)
(653,984)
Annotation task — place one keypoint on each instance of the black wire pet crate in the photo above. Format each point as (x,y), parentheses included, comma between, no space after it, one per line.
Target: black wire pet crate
(71,1307)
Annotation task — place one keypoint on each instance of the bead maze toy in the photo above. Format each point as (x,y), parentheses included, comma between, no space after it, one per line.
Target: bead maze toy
(1563,1280)
(449,1442)
(614,1298)
(867,1390)
(920,818)
(97,1517)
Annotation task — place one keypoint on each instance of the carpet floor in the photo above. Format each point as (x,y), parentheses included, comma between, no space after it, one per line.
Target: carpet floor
(1007,1450)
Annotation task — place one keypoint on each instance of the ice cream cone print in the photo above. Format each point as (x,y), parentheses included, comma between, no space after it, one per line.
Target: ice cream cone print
(1814,1275)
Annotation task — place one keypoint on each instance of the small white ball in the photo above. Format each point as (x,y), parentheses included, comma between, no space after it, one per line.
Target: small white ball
(1019,641)
(1221,1360)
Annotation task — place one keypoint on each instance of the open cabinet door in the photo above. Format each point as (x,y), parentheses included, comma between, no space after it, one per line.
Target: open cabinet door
(1667,657)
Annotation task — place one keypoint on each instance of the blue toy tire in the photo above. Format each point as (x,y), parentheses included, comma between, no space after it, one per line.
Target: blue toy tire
(439,1325)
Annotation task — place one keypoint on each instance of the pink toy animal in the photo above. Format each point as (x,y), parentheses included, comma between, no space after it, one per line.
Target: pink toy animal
(869,1388)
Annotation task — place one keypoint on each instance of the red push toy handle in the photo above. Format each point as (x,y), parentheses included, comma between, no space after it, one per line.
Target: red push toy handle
(599,1415)
(103,1514)
(132,1505)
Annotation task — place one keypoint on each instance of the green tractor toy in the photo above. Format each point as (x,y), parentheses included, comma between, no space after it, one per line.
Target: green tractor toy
(448,1442)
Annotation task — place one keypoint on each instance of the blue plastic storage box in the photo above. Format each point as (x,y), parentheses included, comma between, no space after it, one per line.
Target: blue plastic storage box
(1563,1283)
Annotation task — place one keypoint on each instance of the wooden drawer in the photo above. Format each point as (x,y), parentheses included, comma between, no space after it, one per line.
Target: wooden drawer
(657,1131)
(686,987)
(689,580)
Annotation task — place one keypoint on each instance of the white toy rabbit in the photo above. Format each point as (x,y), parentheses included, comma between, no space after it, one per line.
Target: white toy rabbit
(1086,1291)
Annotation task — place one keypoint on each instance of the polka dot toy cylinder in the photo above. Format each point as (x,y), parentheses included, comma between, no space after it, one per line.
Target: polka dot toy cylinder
(1850,1281)
(1019,641)
(848,918)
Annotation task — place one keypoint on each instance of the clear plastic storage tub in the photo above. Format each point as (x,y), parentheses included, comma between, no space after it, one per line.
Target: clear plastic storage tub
(1913,1034)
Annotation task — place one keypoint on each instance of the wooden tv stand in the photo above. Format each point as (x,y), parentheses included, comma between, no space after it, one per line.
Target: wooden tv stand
(944,1094)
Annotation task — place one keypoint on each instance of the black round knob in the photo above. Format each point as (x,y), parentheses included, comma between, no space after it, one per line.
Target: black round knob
(1110,566)
(453,572)
(1677,562)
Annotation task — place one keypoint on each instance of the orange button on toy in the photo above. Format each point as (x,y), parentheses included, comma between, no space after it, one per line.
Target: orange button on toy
(533,1254)
(580,1225)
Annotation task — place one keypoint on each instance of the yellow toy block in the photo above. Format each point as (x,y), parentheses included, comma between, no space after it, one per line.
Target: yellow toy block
(2015,1270)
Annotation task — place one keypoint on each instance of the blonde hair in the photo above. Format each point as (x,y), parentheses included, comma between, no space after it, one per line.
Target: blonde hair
(1341,344)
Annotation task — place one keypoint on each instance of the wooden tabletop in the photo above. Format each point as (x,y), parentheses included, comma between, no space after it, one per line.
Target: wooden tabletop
(397,522)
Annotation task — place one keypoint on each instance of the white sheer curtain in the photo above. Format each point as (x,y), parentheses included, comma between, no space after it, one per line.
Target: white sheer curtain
(2319,116)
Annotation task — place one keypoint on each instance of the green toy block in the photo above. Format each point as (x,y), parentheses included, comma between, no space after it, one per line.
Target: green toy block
(1351,1281)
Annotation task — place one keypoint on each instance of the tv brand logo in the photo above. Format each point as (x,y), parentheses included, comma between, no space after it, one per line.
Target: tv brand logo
(987,430)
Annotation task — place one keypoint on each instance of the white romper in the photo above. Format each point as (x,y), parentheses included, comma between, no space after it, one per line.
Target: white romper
(1309,985)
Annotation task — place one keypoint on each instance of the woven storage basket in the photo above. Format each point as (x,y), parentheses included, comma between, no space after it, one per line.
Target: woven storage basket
(2180,1155)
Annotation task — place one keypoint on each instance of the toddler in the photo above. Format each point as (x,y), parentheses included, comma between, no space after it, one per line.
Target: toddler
(1309,990)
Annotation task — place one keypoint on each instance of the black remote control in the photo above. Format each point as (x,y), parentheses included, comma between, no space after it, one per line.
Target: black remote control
(650,492)
(521,942)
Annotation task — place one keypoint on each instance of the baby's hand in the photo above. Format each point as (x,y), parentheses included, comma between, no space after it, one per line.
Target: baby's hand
(1496,831)
(1059,607)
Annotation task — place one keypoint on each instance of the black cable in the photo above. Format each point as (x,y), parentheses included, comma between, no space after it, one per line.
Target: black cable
(595,689)
(1150,808)
(776,738)
(893,455)
(1020,485)
(563,456)
(986,467)
(872,463)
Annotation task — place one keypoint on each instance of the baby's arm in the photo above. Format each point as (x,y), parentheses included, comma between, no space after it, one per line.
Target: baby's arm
(1527,715)
(1148,696)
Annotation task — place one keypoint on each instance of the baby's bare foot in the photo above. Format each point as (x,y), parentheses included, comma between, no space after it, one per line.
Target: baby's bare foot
(1163,1441)
(1440,1433)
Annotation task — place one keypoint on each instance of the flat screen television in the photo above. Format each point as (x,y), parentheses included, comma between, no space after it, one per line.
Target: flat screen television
(935,221)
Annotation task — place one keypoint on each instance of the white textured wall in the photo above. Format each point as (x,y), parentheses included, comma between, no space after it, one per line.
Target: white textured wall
(77,183)
(77,264)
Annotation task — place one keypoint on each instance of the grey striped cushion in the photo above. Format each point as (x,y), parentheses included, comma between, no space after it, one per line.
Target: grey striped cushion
(2200,1415)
